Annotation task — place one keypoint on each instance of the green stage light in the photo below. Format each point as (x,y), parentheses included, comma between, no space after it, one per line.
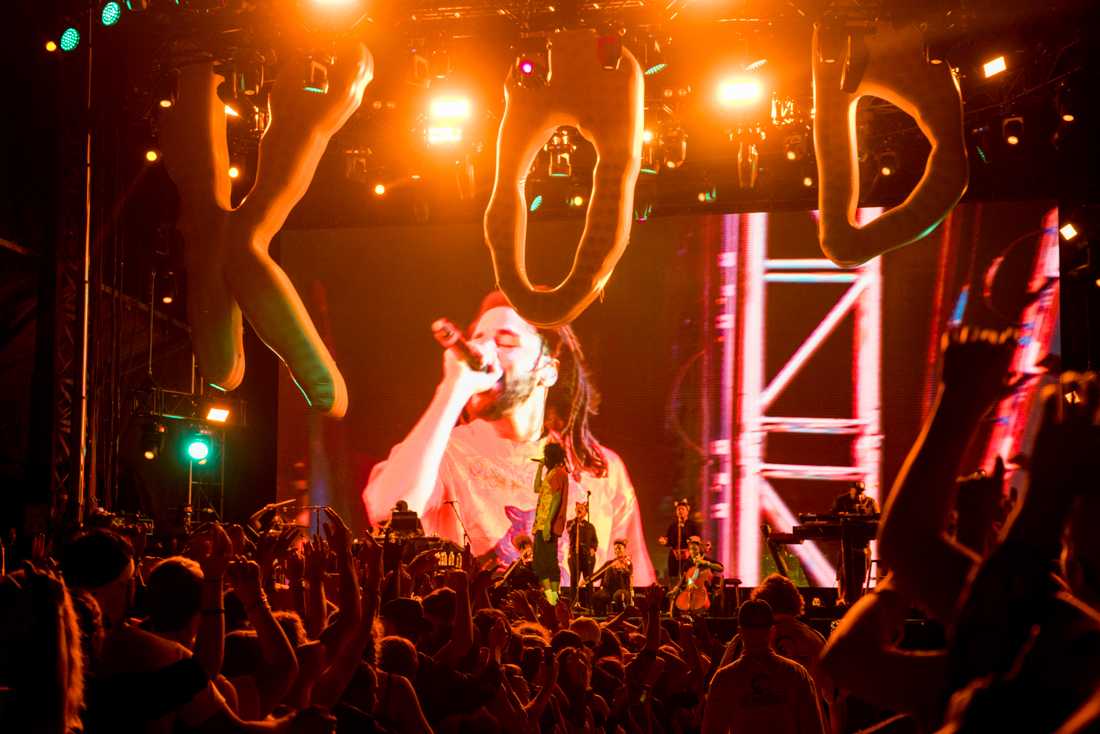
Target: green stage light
(111,14)
(198,448)
(70,39)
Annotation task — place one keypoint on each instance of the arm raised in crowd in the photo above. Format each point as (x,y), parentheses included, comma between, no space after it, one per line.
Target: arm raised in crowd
(929,568)
(341,631)
(348,656)
(276,674)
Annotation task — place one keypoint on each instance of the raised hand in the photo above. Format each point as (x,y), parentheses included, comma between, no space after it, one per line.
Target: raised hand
(211,547)
(245,577)
(316,556)
(339,537)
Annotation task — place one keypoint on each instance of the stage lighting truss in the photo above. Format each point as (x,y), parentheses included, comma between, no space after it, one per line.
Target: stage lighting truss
(560,150)
(740,492)
(165,404)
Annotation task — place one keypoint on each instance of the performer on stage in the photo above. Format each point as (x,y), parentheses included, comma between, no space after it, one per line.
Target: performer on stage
(553,493)
(676,538)
(477,475)
(855,557)
(617,589)
(693,591)
(583,543)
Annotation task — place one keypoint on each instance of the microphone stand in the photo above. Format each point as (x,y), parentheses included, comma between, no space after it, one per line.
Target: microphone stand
(576,536)
(465,535)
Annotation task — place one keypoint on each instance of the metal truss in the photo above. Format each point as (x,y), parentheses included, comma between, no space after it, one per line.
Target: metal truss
(740,494)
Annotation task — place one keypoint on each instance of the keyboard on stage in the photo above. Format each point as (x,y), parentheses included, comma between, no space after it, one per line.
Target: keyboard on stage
(852,528)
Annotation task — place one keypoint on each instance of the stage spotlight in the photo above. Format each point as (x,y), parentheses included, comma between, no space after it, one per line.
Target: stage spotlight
(888,163)
(448,108)
(447,114)
(152,440)
(1012,130)
(110,14)
(152,155)
(673,142)
(536,203)
(169,288)
(1068,103)
(379,189)
(807,181)
(198,447)
(994,66)
(234,172)
(794,148)
(740,92)
(231,112)
(217,415)
(70,39)
(1069,232)
(577,197)
(51,46)
(167,88)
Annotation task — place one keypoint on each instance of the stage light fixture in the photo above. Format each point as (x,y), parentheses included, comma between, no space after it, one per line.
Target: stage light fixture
(536,203)
(110,14)
(888,163)
(794,148)
(1068,231)
(51,45)
(152,440)
(231,112)
(234,172)
(447,114)
(1012,130)
(315,76)
(152,155)
(167,89)
(70,39)
(739,92)
(198,447)
(379,189)
(449,107)
(216,414)
(807,182)
(561,151)
(994,66)
(169,288)
(673,142)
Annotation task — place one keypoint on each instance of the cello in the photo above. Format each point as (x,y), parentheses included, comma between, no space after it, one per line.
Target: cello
(694,588)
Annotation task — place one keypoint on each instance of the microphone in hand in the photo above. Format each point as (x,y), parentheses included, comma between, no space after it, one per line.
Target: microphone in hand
(449,337)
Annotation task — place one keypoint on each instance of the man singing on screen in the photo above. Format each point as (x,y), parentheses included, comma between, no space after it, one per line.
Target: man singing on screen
(480,471)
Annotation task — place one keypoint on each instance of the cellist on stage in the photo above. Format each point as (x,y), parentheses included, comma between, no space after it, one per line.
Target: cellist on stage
(692,593)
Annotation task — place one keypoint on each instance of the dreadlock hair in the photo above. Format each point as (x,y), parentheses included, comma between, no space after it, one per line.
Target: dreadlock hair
(574,397)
